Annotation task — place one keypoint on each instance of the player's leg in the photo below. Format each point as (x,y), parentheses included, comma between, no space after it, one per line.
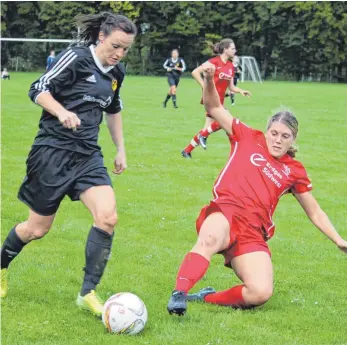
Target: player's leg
(101,202)
(174,92)
(186,153)
(214,236)
(256,272)
(171,83)
(232,95)
(35,227)
(211,126)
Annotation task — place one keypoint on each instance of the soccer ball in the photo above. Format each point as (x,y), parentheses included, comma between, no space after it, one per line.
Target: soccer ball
(124,313)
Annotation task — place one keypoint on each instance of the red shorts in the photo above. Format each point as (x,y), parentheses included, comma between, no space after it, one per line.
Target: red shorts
(244,238)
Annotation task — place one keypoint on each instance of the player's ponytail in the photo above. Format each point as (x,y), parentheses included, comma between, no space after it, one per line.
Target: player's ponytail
(219,47)
(287,118)
(90,26)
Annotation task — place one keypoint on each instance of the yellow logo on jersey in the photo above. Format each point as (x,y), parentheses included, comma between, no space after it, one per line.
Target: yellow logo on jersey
(114,85)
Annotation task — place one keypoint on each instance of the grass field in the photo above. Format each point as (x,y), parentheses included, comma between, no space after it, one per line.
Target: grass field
(159,197)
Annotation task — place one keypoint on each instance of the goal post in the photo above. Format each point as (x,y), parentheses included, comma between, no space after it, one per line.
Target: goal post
(250,69)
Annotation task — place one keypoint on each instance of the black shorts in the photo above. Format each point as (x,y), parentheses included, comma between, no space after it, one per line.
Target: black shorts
(173,80)
(53,173)
(235,80)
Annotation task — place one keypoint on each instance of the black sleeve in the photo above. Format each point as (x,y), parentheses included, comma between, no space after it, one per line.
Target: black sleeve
(60,74)
(116,106)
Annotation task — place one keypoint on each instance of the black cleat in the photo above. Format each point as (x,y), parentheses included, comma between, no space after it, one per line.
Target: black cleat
(177,303)
(186,155)
(175,106)
(164,104)
(200,296)
(203,141)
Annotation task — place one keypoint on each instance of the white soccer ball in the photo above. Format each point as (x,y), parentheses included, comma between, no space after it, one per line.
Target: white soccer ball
(124,313)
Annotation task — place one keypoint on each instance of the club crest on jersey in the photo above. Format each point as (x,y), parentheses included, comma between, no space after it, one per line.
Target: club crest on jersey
(114,85)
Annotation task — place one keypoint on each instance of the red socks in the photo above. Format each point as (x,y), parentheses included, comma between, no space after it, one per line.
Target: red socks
(215,126)
(193,144)
(232,297)
(193,268)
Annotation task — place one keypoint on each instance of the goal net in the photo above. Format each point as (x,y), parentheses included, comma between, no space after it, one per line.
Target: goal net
(250,69)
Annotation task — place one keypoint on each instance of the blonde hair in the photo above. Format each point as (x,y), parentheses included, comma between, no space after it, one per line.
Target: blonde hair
(287,118)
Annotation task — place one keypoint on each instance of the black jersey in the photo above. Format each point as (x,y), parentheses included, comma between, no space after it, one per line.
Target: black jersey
(79,82)
(170,63)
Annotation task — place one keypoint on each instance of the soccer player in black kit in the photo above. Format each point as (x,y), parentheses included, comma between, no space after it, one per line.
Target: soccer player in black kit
(65,159)
(174,66)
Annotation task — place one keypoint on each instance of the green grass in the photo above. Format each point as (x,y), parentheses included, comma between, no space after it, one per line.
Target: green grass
(159,197)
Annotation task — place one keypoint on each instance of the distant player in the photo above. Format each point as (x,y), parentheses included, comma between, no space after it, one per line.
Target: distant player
(238,222)
(224,78)
(65,160)
(50,59)
(238,71)
(174,66)
(5,74)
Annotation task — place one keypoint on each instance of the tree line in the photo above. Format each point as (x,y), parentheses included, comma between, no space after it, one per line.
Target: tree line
(289,39)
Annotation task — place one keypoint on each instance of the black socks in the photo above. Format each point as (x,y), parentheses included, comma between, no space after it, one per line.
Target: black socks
(98,249)
(11,248)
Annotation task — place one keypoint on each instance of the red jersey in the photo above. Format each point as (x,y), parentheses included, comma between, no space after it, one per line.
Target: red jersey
(224,74)
(252,181)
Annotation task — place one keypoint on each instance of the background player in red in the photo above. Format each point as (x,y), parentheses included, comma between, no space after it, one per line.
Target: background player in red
(238,222)
(223,77)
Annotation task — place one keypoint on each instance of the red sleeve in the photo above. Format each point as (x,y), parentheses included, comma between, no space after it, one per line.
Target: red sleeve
(240,131)
(302,183)
(213,61)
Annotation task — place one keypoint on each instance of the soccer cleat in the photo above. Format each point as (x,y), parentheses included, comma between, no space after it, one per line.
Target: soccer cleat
(90,302)
(164,104)
(203,141)
(4,278)
(177,303)
(186,154)
(200,296)
(175,106)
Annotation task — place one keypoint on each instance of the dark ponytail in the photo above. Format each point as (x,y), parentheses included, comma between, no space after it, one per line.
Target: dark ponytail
(90,26)
(219,47)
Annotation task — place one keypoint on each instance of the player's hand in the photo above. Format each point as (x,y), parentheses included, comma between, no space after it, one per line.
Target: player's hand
(169,69)
(120,163)
(342,244)
(245,93)
(69,120)
(208,70)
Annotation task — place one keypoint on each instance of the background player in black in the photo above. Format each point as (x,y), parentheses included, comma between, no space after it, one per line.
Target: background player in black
(65,159)
(238,71)
(174,66)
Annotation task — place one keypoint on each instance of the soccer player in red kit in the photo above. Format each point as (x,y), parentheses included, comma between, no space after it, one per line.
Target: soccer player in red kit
(223,78)
(238,222)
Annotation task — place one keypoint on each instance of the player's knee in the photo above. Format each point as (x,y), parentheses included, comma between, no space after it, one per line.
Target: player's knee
(37,232)
(261,294)
(208,243)
(106,220)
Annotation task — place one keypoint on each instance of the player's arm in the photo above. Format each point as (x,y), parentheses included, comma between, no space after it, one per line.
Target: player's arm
(196,74)
(115,126)
(319,218)
(211,99)
(65,117)
(62,74)
(183,68)
(235,89)
(168,69)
